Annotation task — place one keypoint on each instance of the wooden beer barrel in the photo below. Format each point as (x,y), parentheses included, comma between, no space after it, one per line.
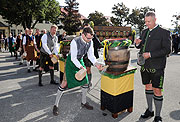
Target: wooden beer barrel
(117,54)
(101,38)
(65,47)
(110,33)
(116,33)
(97,33)
(104,33)
(121,33)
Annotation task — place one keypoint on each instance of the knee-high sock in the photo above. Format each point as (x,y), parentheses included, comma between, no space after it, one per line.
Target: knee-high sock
(52,74)
(158,100)
(28,64)
(59,95)
(89,78)
(40,76)
(84,92)
(15,54)
(21,59)
(34,64)
(149,98)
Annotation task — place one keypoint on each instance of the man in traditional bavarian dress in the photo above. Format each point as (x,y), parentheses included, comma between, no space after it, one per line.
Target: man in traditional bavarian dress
(49,46)
(29,46)
(21,46)
(74,62)
(18,43)
(155,45)
(11,42)
(96,45)
(38,42)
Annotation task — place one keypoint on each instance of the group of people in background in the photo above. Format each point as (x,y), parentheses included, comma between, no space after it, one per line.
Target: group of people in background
(175,43)
(34,49)
(14,44)
(154,42)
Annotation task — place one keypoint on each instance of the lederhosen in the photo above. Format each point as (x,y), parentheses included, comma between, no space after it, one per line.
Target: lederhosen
(30,49)
(71,69)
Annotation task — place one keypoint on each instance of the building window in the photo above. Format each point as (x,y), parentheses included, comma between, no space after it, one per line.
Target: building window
(13,32)
(19,31)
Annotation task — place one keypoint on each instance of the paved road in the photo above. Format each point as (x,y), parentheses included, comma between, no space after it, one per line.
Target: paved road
(22,100)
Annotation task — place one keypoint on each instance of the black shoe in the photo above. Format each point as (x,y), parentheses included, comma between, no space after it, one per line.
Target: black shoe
(54,82)
(29,70)
(87,106)
(147,114)
(55,110)
(157,119)
(40,84)
(20,63)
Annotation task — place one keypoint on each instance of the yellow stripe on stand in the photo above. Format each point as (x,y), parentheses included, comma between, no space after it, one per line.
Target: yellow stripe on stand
(61,66)
(117,86)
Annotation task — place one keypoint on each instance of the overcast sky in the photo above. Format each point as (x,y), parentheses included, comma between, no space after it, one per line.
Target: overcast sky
(164,8)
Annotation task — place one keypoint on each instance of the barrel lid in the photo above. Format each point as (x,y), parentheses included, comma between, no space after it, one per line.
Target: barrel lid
(65,42)
(118,42)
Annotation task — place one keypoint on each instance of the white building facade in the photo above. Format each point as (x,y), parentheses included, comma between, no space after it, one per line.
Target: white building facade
(5,29)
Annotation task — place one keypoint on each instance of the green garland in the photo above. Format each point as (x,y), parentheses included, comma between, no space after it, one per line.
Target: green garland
(118,76)
(62,59)
(118,43)
(65,43)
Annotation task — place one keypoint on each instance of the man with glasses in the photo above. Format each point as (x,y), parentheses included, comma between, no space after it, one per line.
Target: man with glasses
(78,48)
(96,45)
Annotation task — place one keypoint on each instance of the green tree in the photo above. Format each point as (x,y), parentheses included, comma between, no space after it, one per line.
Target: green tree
(98,19)
(175,22)
(23,12)
(70,17)
(136,18)
(121,15)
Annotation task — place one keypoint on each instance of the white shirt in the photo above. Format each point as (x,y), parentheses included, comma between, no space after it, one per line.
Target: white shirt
(24,40)
(153,28)
(44,45)
(73,51)
(13,40)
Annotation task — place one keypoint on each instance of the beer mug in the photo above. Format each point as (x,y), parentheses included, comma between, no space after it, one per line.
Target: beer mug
(80,74)
(19,50)
(140,59)
(24,55)
(54,60)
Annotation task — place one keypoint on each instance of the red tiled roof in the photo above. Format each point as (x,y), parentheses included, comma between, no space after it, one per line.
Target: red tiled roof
(81,18)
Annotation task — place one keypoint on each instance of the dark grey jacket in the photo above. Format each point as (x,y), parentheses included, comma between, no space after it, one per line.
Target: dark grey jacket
(159,46)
